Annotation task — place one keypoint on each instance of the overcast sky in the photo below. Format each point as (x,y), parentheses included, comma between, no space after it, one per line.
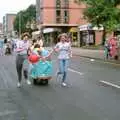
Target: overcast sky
(13,6)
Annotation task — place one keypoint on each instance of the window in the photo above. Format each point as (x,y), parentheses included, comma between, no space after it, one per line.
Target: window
(66,20)
(66,3)
(58,13)
(58,4)
(66,16)
(65,13)
(58,16)
(58,20)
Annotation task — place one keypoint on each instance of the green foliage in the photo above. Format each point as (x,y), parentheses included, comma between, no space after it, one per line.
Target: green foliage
(102,12)
(23,17)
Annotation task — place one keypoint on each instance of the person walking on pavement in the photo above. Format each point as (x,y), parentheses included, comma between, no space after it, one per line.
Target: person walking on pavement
(5,40)
(113,48)
(1,47)
(21,50)
(64,53)
(107,50)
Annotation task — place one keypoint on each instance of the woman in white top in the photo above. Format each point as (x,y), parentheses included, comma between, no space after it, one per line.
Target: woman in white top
(64,53)
(22,47)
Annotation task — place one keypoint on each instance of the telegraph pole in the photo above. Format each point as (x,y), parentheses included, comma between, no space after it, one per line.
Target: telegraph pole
(19,24)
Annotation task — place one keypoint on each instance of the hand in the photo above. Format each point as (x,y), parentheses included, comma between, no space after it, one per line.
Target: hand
(43,59)
(71,55)
(56,50)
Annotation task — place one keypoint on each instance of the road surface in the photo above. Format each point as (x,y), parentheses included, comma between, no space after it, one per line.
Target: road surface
(84,99)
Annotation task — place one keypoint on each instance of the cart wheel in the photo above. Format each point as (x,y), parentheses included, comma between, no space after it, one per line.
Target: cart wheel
(35,81)
(44,82)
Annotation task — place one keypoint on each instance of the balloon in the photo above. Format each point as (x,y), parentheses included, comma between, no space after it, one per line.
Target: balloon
(33,58)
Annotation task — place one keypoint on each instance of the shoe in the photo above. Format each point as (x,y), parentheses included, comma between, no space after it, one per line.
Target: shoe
(18,84)
(28,82)
(64,84)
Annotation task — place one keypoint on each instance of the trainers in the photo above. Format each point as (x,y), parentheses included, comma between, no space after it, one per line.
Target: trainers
(28,82)
(64,84)
(18,84)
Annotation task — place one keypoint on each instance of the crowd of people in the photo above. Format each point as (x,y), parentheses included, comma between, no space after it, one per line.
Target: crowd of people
(32,51)
(6,46)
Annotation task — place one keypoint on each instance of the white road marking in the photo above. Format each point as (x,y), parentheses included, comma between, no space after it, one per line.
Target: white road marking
(92,60)
(71,70)
(110,84)
(7,113)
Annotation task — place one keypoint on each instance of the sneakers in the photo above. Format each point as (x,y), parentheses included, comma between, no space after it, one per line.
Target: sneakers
(18,84)
(64,84)
(28,82)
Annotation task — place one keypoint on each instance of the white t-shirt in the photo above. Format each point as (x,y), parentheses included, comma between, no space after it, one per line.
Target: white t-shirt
(21,44)
(64,50)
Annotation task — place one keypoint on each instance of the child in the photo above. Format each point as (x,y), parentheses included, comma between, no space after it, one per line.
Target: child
(33,57)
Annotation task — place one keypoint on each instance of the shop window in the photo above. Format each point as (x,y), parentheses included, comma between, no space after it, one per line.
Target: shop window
(87,38)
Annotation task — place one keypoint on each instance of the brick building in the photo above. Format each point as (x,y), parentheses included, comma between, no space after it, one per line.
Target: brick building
(56,16)
(1,30)
(8,21)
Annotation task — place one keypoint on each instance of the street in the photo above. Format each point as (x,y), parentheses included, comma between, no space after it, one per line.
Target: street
(85,99)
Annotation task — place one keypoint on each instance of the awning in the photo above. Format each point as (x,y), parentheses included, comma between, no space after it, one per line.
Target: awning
(36,33)
(50,30)
(89,27)
(73,29)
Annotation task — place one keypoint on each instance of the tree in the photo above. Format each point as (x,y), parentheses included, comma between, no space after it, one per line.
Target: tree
(102,12)
(23,18)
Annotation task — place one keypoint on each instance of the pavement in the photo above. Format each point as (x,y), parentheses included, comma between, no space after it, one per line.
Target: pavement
(92,54)
(84,99)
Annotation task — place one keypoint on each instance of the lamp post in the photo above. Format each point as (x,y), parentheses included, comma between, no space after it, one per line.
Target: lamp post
(19,24)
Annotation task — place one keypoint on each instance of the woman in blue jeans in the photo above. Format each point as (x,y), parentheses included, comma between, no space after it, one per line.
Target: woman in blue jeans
(63,48)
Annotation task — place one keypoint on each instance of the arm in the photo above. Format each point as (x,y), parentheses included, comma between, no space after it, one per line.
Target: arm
(56,48)
(70,51)
(19,48)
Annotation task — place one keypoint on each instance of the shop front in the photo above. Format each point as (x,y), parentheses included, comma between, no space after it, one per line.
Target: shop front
(50,36)
(90,35)
(74,36)
(87,35)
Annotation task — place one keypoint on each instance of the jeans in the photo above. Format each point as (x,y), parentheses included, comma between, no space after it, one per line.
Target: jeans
(63,66)
(1,51)
(19,66)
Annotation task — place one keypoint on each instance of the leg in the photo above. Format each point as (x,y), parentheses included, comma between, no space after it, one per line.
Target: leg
(65,68)
(1,51)
(61,67)
(25,73)
(26,69)
(19,67)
